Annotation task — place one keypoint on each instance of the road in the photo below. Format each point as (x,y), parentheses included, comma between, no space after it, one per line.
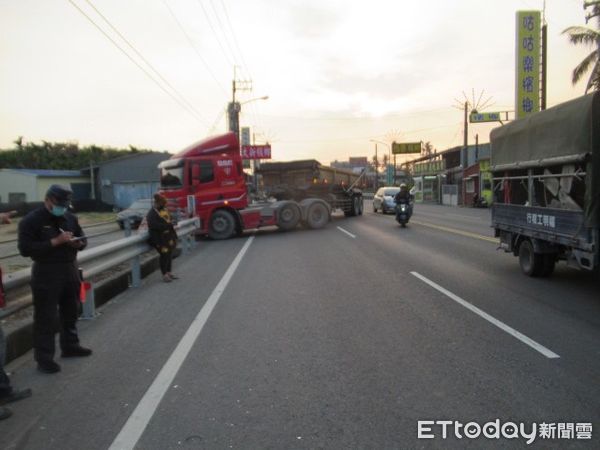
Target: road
(344,337)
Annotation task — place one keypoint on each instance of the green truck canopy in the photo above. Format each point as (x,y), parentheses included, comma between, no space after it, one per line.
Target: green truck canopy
(563,134)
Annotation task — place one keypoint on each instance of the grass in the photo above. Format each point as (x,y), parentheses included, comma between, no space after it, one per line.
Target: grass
(9,232)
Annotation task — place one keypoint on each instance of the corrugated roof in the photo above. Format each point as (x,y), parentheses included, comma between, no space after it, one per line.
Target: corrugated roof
(50,172)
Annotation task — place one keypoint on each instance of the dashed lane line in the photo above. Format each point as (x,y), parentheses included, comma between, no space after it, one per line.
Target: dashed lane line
(347,232)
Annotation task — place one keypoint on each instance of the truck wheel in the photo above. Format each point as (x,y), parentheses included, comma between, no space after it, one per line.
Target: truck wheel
(359,211)
(222,225)
(289,216)
(531,263)
(353,208)
(549,261)
(317,216)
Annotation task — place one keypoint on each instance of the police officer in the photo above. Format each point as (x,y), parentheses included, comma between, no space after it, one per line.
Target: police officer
(51,236)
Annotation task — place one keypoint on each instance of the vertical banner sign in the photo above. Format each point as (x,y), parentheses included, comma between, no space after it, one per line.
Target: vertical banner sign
(528,62)
(245,141)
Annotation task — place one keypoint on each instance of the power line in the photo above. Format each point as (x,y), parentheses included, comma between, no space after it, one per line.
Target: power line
(215,34)
(342,118)
(235,41)
(222,29)
(182,102)
(191,42)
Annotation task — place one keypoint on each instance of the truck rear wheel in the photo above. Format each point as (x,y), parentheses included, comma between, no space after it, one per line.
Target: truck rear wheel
(288,216)
(360,206)
(532,263)
(317,216)
(222,225)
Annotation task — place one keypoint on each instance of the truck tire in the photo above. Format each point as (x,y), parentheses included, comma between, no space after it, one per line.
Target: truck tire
(317,216)
(353,208)
(532,263)
(288,216)
(221,225)
(361,206)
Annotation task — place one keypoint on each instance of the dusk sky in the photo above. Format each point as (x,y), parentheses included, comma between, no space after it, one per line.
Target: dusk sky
(337,73)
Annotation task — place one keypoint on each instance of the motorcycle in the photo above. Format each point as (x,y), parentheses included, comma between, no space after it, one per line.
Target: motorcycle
(402,213)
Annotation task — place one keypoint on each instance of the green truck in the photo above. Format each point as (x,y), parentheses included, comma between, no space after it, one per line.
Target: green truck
(546,186)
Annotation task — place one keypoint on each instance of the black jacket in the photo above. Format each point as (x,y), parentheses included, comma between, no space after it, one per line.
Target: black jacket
(37,229)
(162,233)
(403,197)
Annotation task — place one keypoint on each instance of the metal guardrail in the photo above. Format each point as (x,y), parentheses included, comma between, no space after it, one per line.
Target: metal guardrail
(106,256)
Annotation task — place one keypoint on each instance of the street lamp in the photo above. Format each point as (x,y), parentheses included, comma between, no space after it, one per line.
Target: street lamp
(233,110)
(389,152)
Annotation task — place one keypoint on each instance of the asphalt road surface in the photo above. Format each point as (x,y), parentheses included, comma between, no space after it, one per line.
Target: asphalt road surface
(344,337)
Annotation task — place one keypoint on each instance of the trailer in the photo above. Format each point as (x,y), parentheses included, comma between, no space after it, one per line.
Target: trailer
(546,186)
(206,179)
(298,180)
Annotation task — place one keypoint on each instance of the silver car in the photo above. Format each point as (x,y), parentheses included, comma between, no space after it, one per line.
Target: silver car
(135,213)
(384,199)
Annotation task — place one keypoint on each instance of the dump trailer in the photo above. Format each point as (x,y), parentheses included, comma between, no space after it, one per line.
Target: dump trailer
(298,180)
(546,184)
(206,179)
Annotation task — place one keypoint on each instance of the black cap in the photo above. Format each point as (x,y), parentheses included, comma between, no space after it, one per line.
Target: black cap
(61,195)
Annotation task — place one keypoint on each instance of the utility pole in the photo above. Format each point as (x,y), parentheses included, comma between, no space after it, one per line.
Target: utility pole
(234,107)
(376,168)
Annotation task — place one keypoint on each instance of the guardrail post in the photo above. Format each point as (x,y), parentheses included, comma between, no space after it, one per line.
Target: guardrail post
(89,304)
(136,272)
(127,223)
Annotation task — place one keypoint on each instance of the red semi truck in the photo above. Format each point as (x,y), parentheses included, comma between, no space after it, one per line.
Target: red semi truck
(211,172)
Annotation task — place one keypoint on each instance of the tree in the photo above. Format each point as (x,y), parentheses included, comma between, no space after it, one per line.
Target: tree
(428,148)
(579,35)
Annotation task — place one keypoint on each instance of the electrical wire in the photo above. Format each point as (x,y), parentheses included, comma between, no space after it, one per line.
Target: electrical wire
(191,42)
(215,34)
(182,102)
(222,29)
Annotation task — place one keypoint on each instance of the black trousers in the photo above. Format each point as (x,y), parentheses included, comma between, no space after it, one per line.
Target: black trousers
(165,260)
(55,289)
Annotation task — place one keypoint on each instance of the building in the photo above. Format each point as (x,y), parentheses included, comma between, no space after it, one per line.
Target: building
(19,186)
(446,176)
(121,181)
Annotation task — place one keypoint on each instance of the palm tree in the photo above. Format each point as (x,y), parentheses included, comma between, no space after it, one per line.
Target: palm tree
(591,37)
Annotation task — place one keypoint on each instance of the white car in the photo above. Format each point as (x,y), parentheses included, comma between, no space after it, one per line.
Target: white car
(384,199)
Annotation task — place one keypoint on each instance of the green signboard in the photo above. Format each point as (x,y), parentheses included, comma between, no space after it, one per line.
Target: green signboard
(406,147)
(475,117)
(429,167)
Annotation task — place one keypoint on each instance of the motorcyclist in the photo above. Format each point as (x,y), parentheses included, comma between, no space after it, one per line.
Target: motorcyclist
(404,196)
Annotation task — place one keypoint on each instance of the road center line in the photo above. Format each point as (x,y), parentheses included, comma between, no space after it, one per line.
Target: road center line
(540,348)
(347,232)
(459,232)
(139,419)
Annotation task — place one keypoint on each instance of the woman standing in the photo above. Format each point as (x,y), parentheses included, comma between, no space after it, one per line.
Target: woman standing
(162,235)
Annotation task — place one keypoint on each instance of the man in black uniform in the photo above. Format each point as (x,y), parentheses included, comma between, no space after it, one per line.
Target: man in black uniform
(51,236)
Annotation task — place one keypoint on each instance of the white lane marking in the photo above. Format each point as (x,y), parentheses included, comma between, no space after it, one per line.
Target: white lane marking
(347,232)
(540,348)
(137,422)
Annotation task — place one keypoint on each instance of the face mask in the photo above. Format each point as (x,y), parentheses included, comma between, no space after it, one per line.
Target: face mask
(58,211)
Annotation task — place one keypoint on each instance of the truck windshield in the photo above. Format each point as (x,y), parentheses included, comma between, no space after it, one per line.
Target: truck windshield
(171,174)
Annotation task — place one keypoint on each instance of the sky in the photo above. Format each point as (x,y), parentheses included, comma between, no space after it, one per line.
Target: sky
(339,74)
